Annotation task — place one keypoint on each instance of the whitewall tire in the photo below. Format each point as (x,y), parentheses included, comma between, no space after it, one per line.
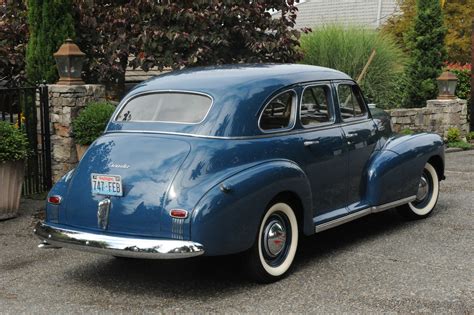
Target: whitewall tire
(275,246)
(426,197)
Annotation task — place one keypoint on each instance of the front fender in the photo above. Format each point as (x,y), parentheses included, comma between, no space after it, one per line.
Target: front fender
(227,218)
(394,171)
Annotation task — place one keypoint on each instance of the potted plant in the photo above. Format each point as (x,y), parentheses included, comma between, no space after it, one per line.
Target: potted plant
(13,152)
(90,124)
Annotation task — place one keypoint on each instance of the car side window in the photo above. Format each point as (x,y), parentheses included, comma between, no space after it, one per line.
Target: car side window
(351,102)
(314,108)
(278,113)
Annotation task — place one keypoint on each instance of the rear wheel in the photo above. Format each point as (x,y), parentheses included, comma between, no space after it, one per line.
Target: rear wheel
(426,197)
(274,250)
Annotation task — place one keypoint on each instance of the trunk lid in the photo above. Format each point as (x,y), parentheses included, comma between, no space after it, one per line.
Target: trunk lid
(147,165)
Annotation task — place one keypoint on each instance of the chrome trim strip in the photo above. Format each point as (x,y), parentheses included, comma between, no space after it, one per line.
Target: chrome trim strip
(294,108)
(350,217)
(114,245)
(266,135)
(131,97)
(342,220)
(393,204)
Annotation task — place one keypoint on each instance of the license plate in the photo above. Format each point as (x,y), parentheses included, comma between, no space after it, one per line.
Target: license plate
(109,185)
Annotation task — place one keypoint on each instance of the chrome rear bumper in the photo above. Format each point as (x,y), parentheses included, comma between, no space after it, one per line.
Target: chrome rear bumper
(53,237)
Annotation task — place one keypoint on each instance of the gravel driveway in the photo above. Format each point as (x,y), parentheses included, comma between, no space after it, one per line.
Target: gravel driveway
(375,264)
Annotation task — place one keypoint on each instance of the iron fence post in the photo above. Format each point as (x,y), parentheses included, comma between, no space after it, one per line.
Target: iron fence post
(48,181)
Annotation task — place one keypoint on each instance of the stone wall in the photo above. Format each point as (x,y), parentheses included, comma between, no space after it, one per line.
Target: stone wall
(65,102)
(438,116)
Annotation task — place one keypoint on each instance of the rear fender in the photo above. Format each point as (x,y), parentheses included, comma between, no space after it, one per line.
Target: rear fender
(59,189)
(394,171)
(227,218)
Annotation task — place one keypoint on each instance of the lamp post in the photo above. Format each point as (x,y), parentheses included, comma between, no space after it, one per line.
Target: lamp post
(69,60)
(447,86)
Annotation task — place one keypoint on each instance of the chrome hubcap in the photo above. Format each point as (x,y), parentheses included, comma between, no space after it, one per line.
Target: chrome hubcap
(274,238)
(423,189)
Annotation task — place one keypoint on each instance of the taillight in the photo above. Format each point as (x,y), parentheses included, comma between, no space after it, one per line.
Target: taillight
(55,200)
(179,213)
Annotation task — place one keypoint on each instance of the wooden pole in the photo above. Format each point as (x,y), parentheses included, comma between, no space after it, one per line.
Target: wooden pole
(364,71)
(471,106)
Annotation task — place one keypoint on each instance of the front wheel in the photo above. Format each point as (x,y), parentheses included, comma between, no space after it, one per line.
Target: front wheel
(426,197)
(272,255)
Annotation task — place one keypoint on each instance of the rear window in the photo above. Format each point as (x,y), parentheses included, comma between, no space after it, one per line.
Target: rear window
(277,114)
(185,108)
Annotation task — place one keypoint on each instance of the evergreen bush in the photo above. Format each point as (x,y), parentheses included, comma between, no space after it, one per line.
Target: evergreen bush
(13,143)
(50,24)
(91,122)
(426,43)
(454,135)
(348,49)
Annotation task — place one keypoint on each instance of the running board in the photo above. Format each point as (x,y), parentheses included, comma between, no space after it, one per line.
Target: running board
(359,214)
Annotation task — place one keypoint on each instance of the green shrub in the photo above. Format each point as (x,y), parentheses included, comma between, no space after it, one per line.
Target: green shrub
(407,131)
(454,135)
(91,122)
(348,49)
(460,144)
(463,73)
(13,143)
(470,136)
(427,53)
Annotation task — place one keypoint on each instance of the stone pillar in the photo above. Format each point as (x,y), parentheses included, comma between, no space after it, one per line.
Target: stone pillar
(65,102)
(453,114)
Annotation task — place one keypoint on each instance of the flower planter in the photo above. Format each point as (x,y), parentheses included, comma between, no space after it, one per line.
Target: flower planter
(11,179)
(81,150)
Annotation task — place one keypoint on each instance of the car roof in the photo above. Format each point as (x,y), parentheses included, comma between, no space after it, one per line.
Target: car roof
(213,79)
(238,93)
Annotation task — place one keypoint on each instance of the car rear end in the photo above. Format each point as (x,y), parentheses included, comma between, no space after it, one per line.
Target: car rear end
(118,200)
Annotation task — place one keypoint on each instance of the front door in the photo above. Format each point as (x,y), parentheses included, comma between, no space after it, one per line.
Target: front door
(360,135)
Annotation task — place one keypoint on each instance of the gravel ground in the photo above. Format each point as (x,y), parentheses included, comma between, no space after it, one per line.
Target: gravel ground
(376,264)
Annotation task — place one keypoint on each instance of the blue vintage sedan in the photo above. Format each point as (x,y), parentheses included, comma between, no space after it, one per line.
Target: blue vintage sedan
(243,158)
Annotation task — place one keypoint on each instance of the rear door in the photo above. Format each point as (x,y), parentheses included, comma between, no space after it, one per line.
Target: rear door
(360,138)
(325,161)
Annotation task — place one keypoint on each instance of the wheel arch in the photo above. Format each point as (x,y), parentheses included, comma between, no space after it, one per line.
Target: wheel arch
(296,204)
(438,164)
(226,220)
(393,172)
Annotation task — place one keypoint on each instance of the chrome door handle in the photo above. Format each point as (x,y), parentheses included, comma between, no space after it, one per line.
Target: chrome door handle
(310,143)
(351,135)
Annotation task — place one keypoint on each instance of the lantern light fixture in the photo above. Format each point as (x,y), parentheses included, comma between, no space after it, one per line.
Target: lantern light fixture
(69,60)
(447,82)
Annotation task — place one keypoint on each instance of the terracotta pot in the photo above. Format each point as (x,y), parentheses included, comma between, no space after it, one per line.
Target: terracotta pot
(81,150)
(11,179)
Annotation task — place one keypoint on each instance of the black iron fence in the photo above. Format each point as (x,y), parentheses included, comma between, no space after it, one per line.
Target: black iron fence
(28,109)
